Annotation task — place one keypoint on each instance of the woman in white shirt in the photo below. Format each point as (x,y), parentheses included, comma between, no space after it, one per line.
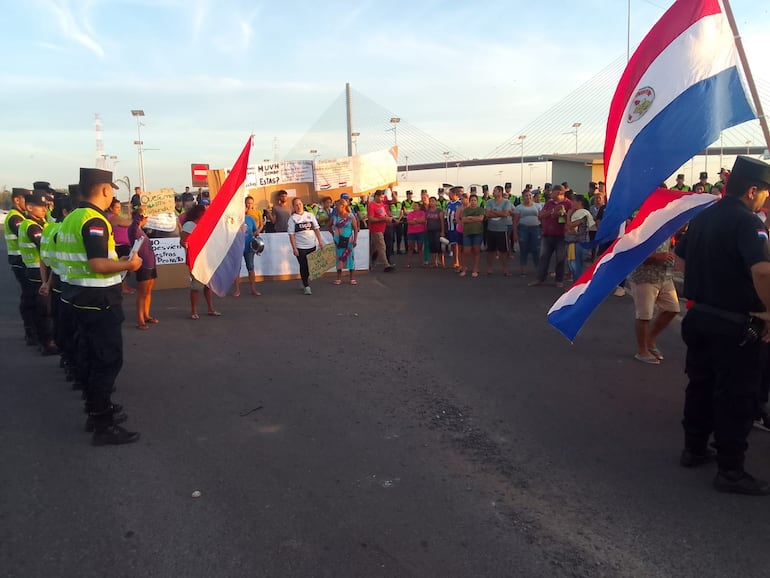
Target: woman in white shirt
(303,232)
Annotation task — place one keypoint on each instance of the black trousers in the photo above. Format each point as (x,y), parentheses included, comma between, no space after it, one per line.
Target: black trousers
(723,390)
(66,331)
(389,236)
(304,269)
(399,233)
(27,300)
(42,308)
(100,353)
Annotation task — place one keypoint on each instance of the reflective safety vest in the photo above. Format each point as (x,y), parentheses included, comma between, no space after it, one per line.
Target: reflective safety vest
(408,206)
(48,247)
(395,210)
(71,250)
(442,203)
(29,251)
(12,240)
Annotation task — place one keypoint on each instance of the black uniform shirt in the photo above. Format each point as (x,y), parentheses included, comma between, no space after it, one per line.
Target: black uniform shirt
(721,245)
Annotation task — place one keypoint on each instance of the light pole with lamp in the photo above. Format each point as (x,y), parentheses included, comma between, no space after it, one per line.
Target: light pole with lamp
(521,172)
(530,172)
(576,126)
(138,113)
(446,165)
(355,136)
(315,154)
(394,120)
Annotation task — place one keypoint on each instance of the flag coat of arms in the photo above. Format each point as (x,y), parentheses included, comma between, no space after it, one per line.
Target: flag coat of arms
(680,89)
(215,247)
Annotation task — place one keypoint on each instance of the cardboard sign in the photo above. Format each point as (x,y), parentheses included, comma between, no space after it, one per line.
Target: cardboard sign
(158,202)
(167,251)
(319,262)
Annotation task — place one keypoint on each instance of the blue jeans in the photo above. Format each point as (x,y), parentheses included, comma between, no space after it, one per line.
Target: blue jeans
(529,244)
(552,247)
(575,265)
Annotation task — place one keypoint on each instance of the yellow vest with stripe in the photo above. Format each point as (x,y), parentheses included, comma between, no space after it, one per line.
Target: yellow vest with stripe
(11,240)
(29,251)
(48,247)
(71,250)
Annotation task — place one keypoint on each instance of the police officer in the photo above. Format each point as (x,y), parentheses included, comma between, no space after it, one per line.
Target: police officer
(87,255)
(62,206)
(13,219)
(30,236)
(680,186)
(727,275)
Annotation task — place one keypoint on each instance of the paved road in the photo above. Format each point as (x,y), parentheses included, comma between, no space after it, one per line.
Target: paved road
(416,425)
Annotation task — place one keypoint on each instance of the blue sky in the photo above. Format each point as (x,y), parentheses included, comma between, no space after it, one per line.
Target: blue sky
(208,73)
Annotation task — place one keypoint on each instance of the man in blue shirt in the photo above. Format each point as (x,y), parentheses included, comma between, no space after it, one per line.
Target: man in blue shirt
(454,236)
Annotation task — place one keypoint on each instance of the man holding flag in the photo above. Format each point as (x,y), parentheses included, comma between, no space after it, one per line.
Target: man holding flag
(727,275)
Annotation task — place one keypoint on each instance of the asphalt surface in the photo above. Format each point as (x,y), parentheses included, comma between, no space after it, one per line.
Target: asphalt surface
(418,424)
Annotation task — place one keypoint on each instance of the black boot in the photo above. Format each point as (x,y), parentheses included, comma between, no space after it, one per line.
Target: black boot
(739,482)
(113,435)
(693,458)
(117,418)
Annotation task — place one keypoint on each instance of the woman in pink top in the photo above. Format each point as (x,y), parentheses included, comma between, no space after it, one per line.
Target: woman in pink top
(120,234)
(415,227)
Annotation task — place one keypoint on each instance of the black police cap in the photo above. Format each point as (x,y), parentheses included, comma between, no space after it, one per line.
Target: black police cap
(38,198)
(74,190)
(746,170)
(91,177)
(19,192)
(44,186)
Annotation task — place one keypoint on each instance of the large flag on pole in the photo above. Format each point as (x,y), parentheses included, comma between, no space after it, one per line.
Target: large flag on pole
(215,247)
(680,89)
(662,214)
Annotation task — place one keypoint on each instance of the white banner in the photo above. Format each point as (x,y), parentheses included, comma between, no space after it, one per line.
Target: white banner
(167,251)
(367,172)
(333,173)
(278,259)
(279,173)
(375,170)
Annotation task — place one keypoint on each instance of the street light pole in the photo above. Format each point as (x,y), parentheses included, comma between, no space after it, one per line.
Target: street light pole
(576,126)
(446,165)
(521,172)
(394,120)
(314,152)
(355,136)
(530,172)
(138,113)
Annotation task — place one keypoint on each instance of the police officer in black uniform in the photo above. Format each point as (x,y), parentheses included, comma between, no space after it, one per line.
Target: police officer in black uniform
(727,275)
(13,219)
(94,290)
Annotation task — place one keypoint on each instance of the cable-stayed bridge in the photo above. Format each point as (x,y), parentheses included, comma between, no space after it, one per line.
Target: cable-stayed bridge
(575,125)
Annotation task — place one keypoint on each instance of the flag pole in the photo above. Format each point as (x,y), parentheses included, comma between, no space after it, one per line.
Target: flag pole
(747,72)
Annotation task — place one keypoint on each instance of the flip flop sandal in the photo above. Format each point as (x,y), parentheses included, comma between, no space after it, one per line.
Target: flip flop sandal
(651,360)
(353,282)
(143,326)
(214,314)
(656,352)
(194,316)
(152,320)
(337,282)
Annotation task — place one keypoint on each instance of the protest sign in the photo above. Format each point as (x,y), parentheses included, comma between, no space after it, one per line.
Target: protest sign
(158,202)
(321,261)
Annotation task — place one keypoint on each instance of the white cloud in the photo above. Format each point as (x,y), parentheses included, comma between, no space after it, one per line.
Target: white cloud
(71,28)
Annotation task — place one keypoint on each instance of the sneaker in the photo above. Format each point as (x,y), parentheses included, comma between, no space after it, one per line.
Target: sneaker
(619,292)
(114,435)
(762,422)
(739,482)
(308,291)
(692,459)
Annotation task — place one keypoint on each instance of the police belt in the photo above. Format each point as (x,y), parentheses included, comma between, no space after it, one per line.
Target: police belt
(740,318)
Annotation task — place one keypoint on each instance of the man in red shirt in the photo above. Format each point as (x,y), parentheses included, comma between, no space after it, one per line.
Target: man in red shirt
(378,217)
(553,218)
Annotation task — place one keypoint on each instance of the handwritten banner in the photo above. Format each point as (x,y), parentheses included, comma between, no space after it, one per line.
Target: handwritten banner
(320,261)
(279,173)
(158,202)
(167,251)
(333,173)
